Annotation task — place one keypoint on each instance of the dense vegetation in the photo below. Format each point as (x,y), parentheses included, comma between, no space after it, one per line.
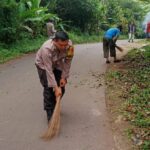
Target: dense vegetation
(27,18)
(131,84)
(24,20)
(23,30)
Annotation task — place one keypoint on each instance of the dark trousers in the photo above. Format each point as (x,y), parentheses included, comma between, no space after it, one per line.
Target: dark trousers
(109,47)
(48,93)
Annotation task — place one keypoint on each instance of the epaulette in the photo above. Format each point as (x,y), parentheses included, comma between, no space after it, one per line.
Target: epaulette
(70,52)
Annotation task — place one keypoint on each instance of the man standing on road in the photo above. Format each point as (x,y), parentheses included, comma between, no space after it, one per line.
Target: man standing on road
(50,29)
(109,43)
(131,31)
(53,61)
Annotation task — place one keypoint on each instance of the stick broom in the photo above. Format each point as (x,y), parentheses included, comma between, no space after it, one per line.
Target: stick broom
(54,123)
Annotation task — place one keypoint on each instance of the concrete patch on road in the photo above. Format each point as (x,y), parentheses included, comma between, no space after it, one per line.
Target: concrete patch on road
(96,112)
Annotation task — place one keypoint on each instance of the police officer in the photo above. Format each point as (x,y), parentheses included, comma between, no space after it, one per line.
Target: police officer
(53,61)
(109,43)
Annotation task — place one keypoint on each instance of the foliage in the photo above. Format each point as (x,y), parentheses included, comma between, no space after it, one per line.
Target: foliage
(81,14)
(134,82)
(17,17)
(8,21)
(27,45)
(90,16)
(79,37)
(122,12)
(8,52)
(85,20)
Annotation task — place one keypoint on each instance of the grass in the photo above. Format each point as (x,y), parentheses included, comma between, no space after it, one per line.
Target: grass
(132,78)
(8,52)
(19,48)
(84,38)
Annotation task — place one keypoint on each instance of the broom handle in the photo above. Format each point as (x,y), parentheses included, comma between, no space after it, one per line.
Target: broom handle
(58,98)
(119,48)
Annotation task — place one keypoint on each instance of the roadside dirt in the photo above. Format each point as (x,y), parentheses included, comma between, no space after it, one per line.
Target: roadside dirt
(114,102)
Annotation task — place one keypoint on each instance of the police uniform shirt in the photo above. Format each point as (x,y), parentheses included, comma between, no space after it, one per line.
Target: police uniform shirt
(49,58)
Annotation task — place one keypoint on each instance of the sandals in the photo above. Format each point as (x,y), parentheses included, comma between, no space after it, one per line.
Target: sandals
(117,61)
(107,62)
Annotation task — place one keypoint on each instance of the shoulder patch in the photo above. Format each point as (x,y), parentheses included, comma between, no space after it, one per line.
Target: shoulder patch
(70,52)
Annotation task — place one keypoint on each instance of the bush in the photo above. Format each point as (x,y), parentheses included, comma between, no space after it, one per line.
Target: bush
(8,23)
(81,14)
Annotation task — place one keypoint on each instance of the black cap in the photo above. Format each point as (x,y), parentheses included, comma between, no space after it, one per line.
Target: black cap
(61,35)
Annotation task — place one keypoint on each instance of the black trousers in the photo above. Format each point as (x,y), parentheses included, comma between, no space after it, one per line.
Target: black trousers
(109,47)
(48,93)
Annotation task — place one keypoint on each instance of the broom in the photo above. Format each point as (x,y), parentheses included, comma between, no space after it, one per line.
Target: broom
(119,48)
(54,123)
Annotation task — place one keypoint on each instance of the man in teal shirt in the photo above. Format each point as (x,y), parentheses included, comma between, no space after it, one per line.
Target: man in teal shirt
(109,43)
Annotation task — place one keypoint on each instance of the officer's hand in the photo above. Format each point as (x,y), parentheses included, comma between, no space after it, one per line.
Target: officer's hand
(58,91)
(63,82)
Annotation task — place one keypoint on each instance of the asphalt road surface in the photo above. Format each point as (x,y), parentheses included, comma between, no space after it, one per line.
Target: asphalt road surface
(84,120)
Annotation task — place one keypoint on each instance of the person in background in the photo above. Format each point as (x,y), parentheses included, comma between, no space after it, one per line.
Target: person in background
(109,43)
(131,31)
(50,29)
(148,30)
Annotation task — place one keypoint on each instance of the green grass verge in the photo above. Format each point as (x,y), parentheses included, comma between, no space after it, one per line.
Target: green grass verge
(133,80)
(19,48)
(31,45)
(84,38)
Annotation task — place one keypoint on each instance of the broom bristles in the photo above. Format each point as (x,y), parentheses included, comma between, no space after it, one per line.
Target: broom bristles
(54,123)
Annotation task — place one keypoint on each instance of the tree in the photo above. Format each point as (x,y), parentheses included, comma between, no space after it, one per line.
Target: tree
(80,14)
(22,15)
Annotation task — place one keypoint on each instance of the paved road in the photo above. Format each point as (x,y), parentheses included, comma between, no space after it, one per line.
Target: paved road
(84,120)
